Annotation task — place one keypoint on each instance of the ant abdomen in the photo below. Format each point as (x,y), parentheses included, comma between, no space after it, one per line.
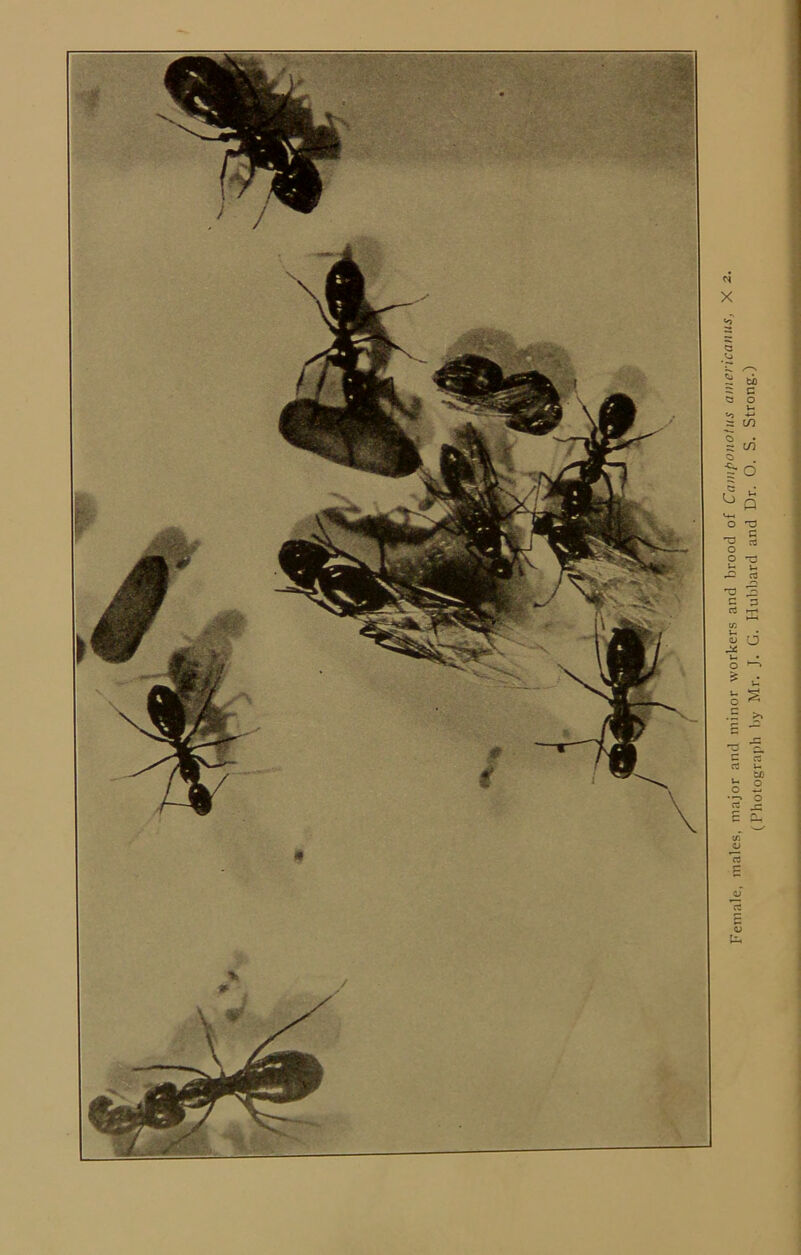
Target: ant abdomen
(286,1076)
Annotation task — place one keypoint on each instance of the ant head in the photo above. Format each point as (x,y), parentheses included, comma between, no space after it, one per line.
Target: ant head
(299,187)
(542,524)
(161,1108)
(576,498)
(616,415)
(107,1118)
(469,376)
(622,760)
(302,561)
(166,712)
(199,798)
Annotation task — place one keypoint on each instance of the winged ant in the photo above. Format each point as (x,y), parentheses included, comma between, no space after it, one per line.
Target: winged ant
(470,501)
(405,618)
(228,100)
(599,565)
(279,1077)
(626,667)
(527,400)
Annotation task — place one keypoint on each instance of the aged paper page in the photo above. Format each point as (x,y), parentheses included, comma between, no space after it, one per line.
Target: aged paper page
(527,1005)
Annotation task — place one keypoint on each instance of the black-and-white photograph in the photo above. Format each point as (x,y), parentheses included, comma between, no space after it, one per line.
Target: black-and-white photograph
(388,589)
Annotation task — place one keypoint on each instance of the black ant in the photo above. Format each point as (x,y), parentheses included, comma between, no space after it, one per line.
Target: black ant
(344,296)
(625,662)
(528,400)
(168,716)
(410,619)
(211,93)
(615,417)
(280,1077)
(195,670)
(470,501)
(598,562)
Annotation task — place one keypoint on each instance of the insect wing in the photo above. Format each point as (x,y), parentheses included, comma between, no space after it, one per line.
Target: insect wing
(626,591)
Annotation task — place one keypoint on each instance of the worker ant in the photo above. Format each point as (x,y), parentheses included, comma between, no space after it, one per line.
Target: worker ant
(625,664)
(615,417)
(280,1077)
(344,296)
(167,714)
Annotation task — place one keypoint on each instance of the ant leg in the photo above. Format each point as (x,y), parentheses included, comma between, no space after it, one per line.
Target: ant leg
(571,466)
(225,137)
(144,731)
(624,444)
(660,785)
(583,406)
(229,153)
(239,736)
(376,335)
(309,292)
(584,685)
(132,774)
(663,706)
(563,745)
(323,373)
(129,1149)
(539,604)
(158,675)
(261,1120)
(292,1023)
(171,1145)
(210,1039)
(384,309)
(264,206)
(307,363)
(172,1067)
(624,540)
(600,746)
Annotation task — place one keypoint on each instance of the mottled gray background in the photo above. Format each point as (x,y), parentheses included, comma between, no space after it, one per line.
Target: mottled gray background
(527,963)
